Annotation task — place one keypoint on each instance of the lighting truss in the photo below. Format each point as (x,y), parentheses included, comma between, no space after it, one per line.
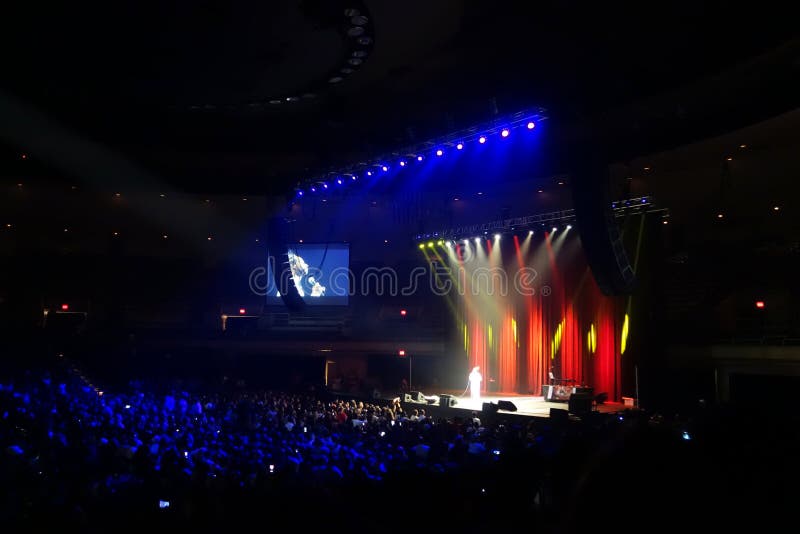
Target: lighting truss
(419,152)
(620,208)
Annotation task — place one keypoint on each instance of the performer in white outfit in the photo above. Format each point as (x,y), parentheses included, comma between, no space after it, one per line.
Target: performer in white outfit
(475,383)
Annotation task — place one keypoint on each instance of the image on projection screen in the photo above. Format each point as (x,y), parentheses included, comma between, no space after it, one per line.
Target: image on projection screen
(319,272)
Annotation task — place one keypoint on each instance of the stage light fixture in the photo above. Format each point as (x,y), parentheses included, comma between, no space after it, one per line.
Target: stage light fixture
(531,125)
(439,152)
(569,227)
(505,132)
(440,242)
(299,193)
(477,239)
(369,173)
(482,139)
(339,181)
(325,186)
(421,246)
(419,158)
(459,146)
(530,232)
(384,168)
(354,177)
(64,307)
(430,244)
(403,313)
(402,163)
(242,311)
(776,208)
(760,304)
(313,189)
(497,236)
(554,228)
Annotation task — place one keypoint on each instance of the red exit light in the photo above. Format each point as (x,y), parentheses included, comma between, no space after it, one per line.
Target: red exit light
(403,313)
(64,307)
(760,304)
(242,311)
(401,353)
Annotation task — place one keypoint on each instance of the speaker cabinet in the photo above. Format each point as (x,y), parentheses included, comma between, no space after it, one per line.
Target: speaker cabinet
(580,403)
(447,400)
(489,407)
(506,405)
(414,396)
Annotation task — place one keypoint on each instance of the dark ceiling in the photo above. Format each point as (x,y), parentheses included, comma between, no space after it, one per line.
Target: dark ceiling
(213,96)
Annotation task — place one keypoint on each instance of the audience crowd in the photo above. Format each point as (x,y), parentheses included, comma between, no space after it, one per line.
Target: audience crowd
(77,455)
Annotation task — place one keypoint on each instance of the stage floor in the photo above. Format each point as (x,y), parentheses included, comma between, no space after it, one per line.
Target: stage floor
(526,405)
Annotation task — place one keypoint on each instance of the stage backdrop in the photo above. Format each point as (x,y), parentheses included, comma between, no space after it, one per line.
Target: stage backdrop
(526,305)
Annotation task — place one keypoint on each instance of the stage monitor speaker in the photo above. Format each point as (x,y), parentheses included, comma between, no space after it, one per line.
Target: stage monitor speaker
(506,405)
(580,403)
(447,400)
(414,396)
(489,407)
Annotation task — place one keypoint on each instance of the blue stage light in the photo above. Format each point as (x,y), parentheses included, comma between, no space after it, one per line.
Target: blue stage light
(339,181)
(299,193)
(325,186)
(439,152)
(313,189)
(505,132)
(384,168)
(419,158)
(353,177)
(459,146)
(482,139)
(402,163)
(369,173)
(531,125)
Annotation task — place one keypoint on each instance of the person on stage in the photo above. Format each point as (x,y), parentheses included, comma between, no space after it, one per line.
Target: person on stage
(475,379)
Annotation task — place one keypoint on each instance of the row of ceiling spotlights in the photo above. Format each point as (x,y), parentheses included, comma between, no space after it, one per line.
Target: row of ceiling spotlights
(450,243)
(323,186)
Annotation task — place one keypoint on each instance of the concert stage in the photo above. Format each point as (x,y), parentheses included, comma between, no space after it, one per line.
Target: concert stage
(526,405)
